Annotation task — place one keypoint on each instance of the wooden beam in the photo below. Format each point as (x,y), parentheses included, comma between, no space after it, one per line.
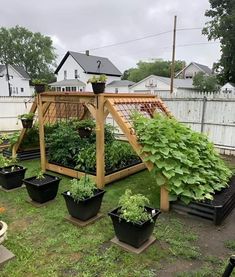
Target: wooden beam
(41,133)
(91,109)
(100,163)
(124,173)
(164,199)
(23,131)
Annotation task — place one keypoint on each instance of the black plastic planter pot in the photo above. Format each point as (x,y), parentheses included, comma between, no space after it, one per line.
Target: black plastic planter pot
(98,88)
(84,209)
(11,177)
(27,123)
(133,234)
(84,132)
(216,210)
(42,190)
(40,88)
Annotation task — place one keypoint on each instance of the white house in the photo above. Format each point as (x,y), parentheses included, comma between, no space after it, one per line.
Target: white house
(192,69)
(228,88)
(122,86)
(18,84)
(75,69)
(159,85)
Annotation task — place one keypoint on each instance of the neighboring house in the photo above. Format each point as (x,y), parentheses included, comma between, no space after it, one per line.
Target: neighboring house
(228,88)
(192,69)
(18,80)
(76,66)
(156,84)
(122,86)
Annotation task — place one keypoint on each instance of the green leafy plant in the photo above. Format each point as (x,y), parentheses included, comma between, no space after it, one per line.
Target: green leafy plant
(83,188)
(7,162)
(133,207)
(98,79)
(28,116)
(39,82)
(40,175)
(184,160)
(13,138)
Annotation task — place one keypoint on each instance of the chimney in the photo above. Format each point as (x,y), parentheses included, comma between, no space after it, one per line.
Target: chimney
(87,52)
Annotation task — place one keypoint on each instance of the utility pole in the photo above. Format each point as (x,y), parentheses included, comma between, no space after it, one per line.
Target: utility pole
(8,79)
(173,57)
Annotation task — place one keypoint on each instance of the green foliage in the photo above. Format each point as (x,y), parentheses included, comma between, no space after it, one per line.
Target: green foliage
(183,159)
(40,175)
(26,116)
(85,123)
(13,138)
(4,161)
(83,188)
(133,207)
(205,83)
(222,27)
(155,67)
(98,79)
(33,51)
(39,82)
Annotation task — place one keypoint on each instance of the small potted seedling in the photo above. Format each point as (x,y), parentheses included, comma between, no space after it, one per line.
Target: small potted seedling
(3,228)
(11,175)
(42,187)
(133,221)
(26,119)
(83,200)
(98,83)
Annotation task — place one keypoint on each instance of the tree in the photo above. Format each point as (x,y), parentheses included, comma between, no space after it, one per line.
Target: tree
(156,67)
(205,83)
(222,27)
(33,51)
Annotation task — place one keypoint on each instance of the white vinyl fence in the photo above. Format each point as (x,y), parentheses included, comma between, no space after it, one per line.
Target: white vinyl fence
(10,108)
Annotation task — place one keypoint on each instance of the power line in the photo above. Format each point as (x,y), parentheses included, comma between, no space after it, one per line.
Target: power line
(141,38)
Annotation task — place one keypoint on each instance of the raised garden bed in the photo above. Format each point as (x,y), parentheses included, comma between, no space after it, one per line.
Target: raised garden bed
(216,210)
(23,155)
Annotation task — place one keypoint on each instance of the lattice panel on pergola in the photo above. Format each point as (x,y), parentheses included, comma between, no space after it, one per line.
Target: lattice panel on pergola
(58,111)
(125,107)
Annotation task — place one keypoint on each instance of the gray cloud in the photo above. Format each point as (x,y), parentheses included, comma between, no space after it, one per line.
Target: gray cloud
(77,25)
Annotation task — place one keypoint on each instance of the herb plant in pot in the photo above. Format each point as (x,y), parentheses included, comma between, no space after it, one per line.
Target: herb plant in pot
(98,83)
(11,175)
(85,127)
(83,200)
(133,221)
(26,119)
(39,85)
(3,228)
(42,187)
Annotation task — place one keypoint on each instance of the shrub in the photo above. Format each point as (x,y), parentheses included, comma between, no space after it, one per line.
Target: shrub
(184,160)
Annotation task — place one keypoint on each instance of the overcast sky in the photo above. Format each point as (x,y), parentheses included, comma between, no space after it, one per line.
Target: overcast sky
(77,25)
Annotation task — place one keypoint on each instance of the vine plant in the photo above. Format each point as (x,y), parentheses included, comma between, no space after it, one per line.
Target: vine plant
(184,160)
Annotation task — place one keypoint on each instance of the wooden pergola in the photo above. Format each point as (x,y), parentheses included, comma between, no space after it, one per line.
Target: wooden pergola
(54,106)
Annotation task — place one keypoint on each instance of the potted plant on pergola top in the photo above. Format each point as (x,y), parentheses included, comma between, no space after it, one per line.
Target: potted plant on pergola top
(98,83)
(26,119)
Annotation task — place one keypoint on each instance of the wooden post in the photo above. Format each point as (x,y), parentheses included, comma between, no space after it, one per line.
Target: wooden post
(164,200)
(41,133)
(100,163)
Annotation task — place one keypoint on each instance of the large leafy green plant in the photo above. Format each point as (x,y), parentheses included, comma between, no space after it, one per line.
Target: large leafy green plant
(184,160)
(132,207)
(83,188)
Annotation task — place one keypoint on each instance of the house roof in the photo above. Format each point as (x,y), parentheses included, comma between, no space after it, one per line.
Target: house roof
(121,83)
(204,68)
(17,68)
(68,83)
(178,83)
(90,64)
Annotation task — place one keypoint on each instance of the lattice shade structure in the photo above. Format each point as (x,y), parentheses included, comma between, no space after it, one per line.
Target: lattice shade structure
(54,107)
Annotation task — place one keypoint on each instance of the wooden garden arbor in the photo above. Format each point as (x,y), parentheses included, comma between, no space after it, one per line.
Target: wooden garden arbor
(54,106)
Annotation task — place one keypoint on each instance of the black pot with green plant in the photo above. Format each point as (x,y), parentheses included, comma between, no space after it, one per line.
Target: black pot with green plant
(85,127)
(42,187)
(83,200)
(98,83)
(133,221)
(39,85)
(11,175)
(26,119)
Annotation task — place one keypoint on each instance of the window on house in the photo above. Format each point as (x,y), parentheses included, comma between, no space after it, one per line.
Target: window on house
(74,89)
(63,89)
(65,74)
(58,89)
(76,74)
(16,90)
(67,88)
(21,89)
(80,89)
(116,90)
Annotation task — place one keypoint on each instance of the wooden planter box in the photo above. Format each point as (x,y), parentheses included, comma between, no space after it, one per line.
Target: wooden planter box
(216,210)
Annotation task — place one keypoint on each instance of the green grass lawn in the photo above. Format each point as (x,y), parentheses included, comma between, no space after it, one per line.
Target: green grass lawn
(47,245)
